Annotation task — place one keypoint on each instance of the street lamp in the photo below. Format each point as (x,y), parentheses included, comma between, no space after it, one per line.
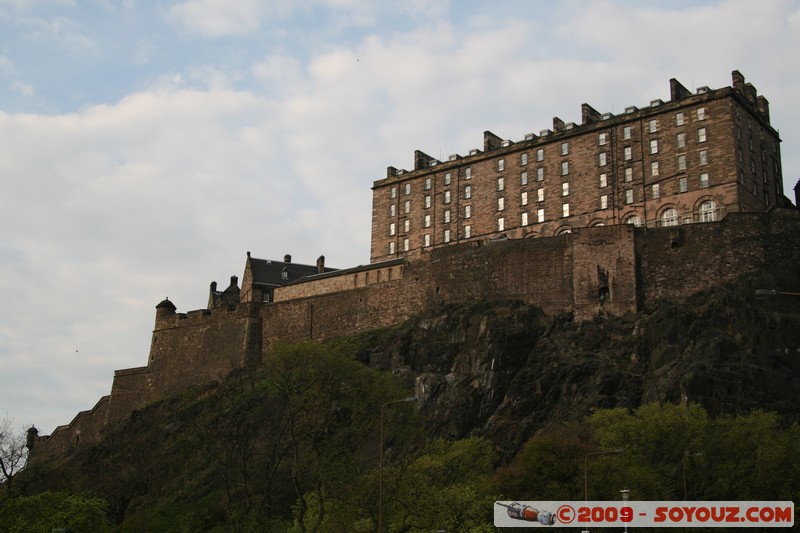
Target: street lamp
(686,456)
(380,468)
(586,471)
(586,468)
(763,294)
(626,494)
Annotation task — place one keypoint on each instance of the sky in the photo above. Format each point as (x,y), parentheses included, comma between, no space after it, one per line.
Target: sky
(146,146)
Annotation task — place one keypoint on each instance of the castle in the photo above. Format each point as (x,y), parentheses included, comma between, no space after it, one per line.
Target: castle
(619,219)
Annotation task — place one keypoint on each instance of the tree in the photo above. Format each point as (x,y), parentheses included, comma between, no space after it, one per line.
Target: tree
(54,510)
(13,452)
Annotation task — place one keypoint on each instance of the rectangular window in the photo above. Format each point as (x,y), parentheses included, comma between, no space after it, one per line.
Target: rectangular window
(703,155)
(467,231)
(704,180)
(652,126)
(701,135)
(391,247)
(628,196)
(467,173)
(427,240)
(405,245)
(393,192)
(602,139)
(501,165)
(654,146)
(564,210)
(539,174)
(564,168)
(604,201)
(628,175)
(627,153)
(501,183)
(407,189)
(682,185)
(501,224)
(679,119)
(427,184)
(392,210)
(447,197)
(406,225)
(426,221)
(427,201)
(654,168)
(467,211)
(523,198)
(682,162)
(603,180)
(701,113)
(602,159)
(655,190)
(447,235)
(564,148)
(447,178)
(446,216)
(565,189)
(524,219)
(501,204)
(468,192)
(540,154)
(680,140)
(540,195)
(392,228)
(626,132)
(523,178)
(407,206)
(523,158)
(540,215)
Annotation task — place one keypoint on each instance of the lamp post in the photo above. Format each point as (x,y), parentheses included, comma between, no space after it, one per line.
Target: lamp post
(626,494)
(763,294)
(380,468)
(586,471)
(586,468)
(686,456)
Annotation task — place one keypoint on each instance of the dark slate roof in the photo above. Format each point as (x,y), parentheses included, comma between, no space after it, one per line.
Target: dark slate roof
(270,273)
(360,268)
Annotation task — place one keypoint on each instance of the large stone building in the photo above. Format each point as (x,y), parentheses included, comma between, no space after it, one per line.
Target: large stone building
(698,158)
(693,159)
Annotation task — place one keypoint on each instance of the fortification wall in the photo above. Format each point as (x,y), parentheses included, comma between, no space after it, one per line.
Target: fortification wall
(203,345)
(677,262)
(84,429)
(612,269)
(584,272)
(337,282)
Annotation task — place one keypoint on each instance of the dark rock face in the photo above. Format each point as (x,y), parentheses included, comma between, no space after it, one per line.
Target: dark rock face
(506,370)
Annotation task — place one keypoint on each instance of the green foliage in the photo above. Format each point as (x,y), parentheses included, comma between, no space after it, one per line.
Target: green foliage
(448,485)
(51,510)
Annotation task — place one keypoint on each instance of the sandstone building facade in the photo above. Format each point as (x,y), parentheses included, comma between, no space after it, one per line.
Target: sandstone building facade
(692,159)
(598,260)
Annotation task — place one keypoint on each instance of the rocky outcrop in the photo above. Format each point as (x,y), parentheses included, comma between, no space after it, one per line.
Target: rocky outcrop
(505,370)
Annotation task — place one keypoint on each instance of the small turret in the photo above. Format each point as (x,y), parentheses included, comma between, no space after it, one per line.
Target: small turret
(165,310)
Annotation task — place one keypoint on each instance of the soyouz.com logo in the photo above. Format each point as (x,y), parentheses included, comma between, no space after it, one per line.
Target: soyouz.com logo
(643,514)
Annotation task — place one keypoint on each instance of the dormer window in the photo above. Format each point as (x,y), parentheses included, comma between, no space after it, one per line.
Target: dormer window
(284,273)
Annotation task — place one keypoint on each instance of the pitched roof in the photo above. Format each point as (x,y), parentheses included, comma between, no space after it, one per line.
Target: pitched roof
(271,273)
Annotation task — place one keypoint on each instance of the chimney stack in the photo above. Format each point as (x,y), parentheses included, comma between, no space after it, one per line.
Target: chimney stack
(287,258)
(321,264)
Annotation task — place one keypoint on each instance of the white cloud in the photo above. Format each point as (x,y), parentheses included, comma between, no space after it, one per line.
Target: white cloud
(23,89)
(217,18)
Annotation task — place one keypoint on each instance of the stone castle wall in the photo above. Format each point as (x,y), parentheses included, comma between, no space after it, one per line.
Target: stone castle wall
(609,270)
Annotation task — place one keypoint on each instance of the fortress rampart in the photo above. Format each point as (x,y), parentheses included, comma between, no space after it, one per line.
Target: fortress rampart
(601,270)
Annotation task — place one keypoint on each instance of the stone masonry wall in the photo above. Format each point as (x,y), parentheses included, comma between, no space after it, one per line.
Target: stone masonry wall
(612,269)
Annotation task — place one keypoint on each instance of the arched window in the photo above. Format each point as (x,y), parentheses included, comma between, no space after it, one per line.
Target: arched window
(669,217)
(635,220)
(708,211)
